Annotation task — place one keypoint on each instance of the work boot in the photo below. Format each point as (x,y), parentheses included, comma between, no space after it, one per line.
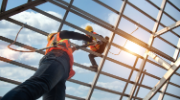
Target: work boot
(94,66)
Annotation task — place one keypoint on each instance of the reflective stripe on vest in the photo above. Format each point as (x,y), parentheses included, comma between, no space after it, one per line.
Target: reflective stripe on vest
(96,47)
(63,44)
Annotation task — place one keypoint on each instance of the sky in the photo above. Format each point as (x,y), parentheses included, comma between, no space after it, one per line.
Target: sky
(34,39)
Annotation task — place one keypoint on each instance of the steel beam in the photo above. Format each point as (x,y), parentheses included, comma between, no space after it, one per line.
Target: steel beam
(168,28)
(176,52)
(118,31)
(88,85)
(115,60)
(147,15)
(3,6)
(104,73)
(129,78)
(97,54)
(86,15)
(34,29)
(135,7)
(65,15)
(108,7)
(173,5)
(150,45)
(27,26)
(164,88)
(18,83)
(74,81)
(20,8)
(165,14)
(163,80)
(17,63)
(140,84)
(168,42)
(9,81)
(141,69)
(74,97)
(158,59)
(144,13)
(69,24)
(103,89)
(106,51)
(20,44)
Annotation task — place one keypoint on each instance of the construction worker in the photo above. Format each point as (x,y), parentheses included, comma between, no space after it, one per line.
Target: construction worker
(99,47)
(54,69)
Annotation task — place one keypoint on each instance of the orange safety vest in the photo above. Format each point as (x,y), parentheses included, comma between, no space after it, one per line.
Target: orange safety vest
(96,47)
(65,44)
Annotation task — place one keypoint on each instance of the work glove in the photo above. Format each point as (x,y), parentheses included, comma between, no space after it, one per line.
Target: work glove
(77,47)
(99,42)
(94,42)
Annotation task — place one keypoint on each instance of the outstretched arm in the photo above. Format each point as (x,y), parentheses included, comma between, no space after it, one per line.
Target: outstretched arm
(74,35)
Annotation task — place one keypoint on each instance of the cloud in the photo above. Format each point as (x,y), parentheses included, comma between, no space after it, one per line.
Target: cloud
(80,90)
(37,40)
(70,89)
(115,85)
(112,17)
(26,36)
(14,73)
(38,20)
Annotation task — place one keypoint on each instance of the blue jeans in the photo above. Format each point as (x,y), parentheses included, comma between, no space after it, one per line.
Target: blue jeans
(49,80)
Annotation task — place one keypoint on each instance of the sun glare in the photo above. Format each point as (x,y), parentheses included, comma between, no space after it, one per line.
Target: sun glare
(132,47)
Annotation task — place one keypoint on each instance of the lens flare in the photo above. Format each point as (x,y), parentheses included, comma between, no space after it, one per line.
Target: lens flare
(132,47)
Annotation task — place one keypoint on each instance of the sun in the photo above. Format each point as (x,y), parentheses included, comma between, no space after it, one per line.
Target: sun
(132,47)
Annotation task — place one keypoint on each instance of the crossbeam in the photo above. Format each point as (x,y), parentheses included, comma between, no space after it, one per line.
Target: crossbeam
(20,8)
(158,59)
(168,28)
(163,80)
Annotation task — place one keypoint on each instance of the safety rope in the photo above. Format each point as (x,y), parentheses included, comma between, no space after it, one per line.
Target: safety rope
(78,47)
(125,42)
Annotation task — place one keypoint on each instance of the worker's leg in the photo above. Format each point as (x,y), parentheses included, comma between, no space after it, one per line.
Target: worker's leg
(58,91)
(93,62)
(45,78)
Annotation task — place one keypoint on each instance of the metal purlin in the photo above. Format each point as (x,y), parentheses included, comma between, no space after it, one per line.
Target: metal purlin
(146,15)
(65,15)
(106,51)
(3,6)
(142,78)
(47,33)
(44,33)
(165,14)
(109,27)
(21,8)
(124,16)
(163,80)
(165,86)
(150,45)
(129,78)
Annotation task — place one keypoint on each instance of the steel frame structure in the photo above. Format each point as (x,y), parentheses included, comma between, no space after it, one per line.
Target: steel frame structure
(156,54)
